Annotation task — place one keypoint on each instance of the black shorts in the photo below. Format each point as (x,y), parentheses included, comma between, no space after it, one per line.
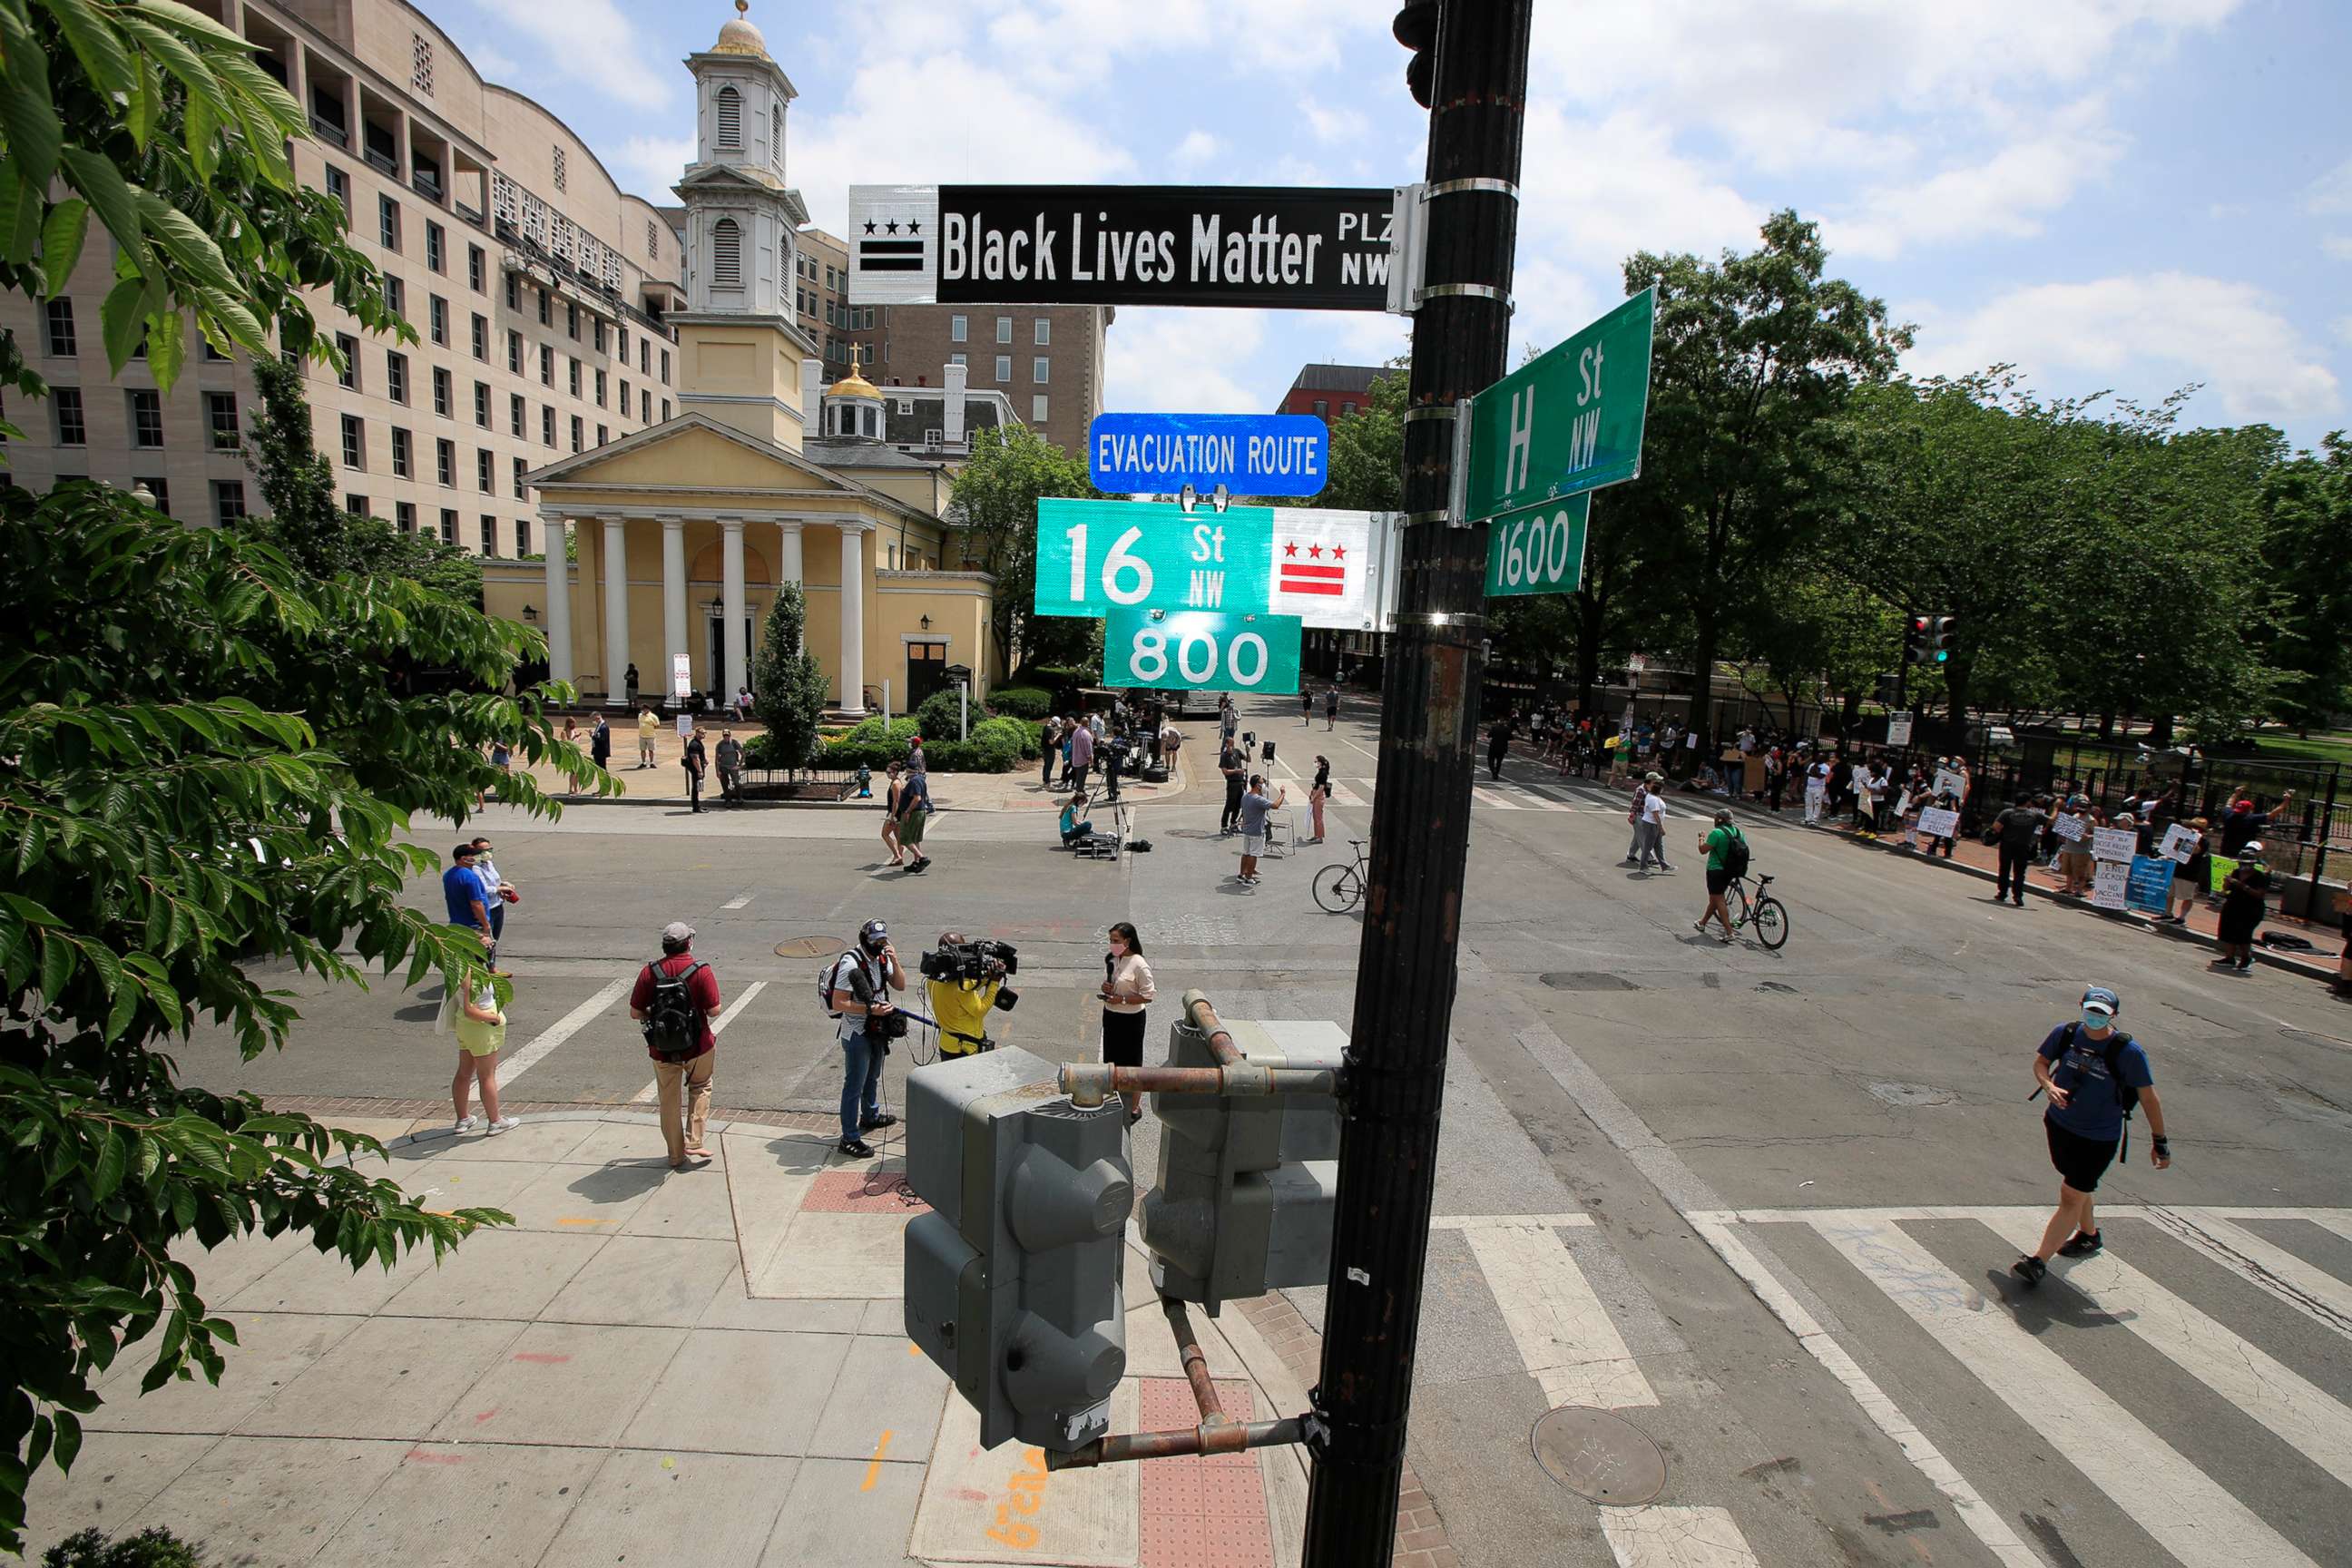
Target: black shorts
(2080,1161)
(1123,1038)
(1717,882)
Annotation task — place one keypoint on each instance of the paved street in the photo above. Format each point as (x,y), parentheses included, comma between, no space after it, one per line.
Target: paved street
(1759,1205)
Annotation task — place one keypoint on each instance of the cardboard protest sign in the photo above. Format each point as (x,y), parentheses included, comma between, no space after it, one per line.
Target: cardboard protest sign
(2114,843)
(1939,822)
(2222,867)
(2068,826)
(2178,840)
(2110,885)
(2150,887)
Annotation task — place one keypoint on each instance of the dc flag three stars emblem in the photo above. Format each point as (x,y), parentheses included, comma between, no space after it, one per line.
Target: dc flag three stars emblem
(1323,567)
(893,232)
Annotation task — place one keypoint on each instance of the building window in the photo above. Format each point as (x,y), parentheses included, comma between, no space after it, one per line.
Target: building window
(664,410)
(522,536)
(1040,370)
(482,403)
(664,370)
(441,393)
(404,515)
(621,345)
(229,500)
(395,377)
(482,338)
(354,441)
(514,292)
(161,488)
(1003,329)
(220,417)
(1037,409)
(573,375)
(603,434)
(645,363)
(547,425)
(213,355)
(67,402)
(475,263)
(448,525)
(776,134)
(489,536)
(600,390)
(338,186)
(514,352)
(445,463)
(653,240)
(521,468)
(596,333)
(387,223)
(146,417)
(515,415)
(730,105)
(726,254)
(420,63)
(1004,368)
(61,327)
(546,365)
(348,348)
(1042,333)
(559,171)
(437,247)
(959,330)
(625,398)
(395,298)
(402,467)
(546,317)
(1322,408)
(644,407)
(579,433)
(355,505)
(437,318)
(486,470)
(572,320)
(956,358)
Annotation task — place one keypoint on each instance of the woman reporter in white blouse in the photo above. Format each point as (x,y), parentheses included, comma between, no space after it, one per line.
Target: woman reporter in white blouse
(1126,989)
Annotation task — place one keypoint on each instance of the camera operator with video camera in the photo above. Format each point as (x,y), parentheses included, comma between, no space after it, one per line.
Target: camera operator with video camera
(965,981)
(858,993)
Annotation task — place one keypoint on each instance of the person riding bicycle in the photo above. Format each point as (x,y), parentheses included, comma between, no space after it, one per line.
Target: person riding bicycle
(961,1008)
(1726,860)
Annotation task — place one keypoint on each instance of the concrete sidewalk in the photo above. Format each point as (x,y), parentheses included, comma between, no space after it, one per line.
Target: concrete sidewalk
(649,1367)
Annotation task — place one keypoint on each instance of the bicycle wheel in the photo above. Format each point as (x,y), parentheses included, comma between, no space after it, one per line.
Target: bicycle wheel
(1771,922)
(1337,888)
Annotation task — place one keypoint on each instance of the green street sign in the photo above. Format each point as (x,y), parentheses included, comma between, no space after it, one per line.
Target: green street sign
(1195,650)
(1097,556)
(1540,550)
(1566,422)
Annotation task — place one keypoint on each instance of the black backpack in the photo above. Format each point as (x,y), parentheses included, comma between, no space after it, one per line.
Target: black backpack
(2126,1095)
(1735,854)
(673,1024)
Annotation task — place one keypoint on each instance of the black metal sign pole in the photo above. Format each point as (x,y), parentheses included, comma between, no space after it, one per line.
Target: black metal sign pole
(1421,822)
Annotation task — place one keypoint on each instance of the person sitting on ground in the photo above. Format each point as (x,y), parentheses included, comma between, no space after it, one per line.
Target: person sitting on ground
(1075,824)
(1707,780)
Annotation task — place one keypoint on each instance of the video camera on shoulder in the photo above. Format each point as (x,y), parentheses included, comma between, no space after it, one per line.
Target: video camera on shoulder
(981,962)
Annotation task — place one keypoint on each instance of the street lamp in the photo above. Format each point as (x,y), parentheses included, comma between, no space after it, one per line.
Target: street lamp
(926,623)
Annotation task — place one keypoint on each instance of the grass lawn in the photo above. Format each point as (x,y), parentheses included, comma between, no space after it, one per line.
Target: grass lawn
(2322,746)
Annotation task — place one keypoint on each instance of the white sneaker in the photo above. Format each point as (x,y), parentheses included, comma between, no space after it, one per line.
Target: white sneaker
(502,1124)
(464,1124)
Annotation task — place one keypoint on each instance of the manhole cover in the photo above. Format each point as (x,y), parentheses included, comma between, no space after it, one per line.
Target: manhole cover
(808,947)
(1587,980)
(1598,1456)
(1909,1094)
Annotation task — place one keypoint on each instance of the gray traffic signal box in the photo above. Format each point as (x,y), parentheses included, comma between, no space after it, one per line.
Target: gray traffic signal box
(1248,1183)
(1012,1278)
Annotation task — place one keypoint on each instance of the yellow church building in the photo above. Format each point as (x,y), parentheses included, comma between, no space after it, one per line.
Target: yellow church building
(683,531)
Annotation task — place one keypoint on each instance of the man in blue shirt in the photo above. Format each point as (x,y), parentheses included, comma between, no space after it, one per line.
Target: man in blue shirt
(2094,1076)
(461,886)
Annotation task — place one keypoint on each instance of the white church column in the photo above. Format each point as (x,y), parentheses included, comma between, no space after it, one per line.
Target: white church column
(558,596)
(673,596)
(614,560)
(788,552)
(731,577)
(853,618)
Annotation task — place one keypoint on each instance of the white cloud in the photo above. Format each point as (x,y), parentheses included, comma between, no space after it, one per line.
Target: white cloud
(591,40)
(2006,194)
(1595,191)
(1192,361)
(2337,246)
(493,64)
(649,166)
(1334,124)
(2344,331)
(1197,150)
(2143,334)
(2330,195)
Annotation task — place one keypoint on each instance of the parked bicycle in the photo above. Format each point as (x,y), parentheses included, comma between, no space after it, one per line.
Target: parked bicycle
(1339,888)
(1763,911)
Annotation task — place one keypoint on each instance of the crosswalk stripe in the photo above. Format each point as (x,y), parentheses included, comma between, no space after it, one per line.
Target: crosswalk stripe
(1488,797)
(652,1092)
(511,1067)
(1656,1536)
(2316,1294)
(1564,1334)
(1981,1518)
(2274,1395)
(1342,795)
(1539,798)
(2180,1507)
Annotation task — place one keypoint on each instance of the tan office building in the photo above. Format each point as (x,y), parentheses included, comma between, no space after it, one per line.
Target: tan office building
(537,289)
(1047,359)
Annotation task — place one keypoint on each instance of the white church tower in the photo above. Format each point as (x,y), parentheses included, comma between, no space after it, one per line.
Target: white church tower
(739,336)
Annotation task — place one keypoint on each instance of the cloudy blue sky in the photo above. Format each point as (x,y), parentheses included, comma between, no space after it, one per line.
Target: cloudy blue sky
(2125,195)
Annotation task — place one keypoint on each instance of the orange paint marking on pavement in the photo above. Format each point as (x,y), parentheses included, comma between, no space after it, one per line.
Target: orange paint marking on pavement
(542,1358)
(873,1464)
(420,1456)
(589,1221)
(914,1349)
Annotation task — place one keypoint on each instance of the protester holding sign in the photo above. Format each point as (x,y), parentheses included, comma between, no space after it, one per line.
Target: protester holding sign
(2074,830)
(2241,910)
(2192,857)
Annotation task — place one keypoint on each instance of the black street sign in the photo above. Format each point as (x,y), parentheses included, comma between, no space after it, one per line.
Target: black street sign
(1120,244)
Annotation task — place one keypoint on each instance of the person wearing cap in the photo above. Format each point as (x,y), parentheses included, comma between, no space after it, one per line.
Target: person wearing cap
(858,992)
(2015,831)
(915,812)
(2242,909)
(698,762)
(2242,823)
(468,900)
(2094,1076)
(684,1087)
(1653,823)
(497,893)
(1718,845)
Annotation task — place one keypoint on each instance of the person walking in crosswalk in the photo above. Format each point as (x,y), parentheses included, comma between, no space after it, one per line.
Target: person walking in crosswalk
(2096,1076)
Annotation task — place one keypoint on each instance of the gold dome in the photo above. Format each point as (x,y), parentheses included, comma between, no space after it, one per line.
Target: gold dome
(854,384)
(738,37)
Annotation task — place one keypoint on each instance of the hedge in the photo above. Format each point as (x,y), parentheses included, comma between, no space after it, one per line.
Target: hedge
(940,716)
(1022,701)
(996,746)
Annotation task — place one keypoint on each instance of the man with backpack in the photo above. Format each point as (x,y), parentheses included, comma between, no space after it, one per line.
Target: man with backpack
(1726,860)
(856,988)
(676,997)
(2096,1076)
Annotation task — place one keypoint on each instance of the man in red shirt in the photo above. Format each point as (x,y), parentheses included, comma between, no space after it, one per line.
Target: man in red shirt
(687,1079)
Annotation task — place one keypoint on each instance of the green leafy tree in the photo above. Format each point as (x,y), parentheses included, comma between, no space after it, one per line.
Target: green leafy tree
(996,495)
(1755,356)
(789,688)
(2307,508)
(1367,461)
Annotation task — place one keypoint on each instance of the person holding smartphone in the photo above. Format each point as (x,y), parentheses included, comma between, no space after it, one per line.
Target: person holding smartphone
(858,992)
(1127,990)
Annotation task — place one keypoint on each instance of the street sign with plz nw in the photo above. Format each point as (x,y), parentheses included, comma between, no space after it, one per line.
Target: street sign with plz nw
(1564,424)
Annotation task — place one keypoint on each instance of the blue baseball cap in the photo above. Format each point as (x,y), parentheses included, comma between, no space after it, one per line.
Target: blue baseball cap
(2099,999)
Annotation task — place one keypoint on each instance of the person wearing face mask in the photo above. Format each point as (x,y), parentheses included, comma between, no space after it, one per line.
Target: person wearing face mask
(2096,1076)
(1127,990)
(858,993)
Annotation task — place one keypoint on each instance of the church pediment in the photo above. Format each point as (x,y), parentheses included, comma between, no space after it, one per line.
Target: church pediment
(695,451)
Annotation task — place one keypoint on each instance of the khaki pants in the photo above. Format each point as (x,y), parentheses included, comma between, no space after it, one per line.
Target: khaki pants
(694,1076)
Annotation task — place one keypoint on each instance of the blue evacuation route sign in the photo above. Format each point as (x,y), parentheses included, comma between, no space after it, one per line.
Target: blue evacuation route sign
(1249,454)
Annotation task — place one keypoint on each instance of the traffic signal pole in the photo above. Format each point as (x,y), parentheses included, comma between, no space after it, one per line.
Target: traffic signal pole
(1421,821)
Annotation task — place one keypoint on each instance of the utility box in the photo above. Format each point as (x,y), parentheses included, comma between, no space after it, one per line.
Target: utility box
(1012,1281)
(1248,1183)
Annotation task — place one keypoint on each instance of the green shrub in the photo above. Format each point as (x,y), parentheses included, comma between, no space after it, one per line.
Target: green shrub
(940,717)
(1025,738)
(153,1547)
(1022,701)
(996,751)
(1063,685)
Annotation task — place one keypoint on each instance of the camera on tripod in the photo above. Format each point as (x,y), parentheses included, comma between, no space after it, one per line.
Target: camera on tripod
(981,962)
